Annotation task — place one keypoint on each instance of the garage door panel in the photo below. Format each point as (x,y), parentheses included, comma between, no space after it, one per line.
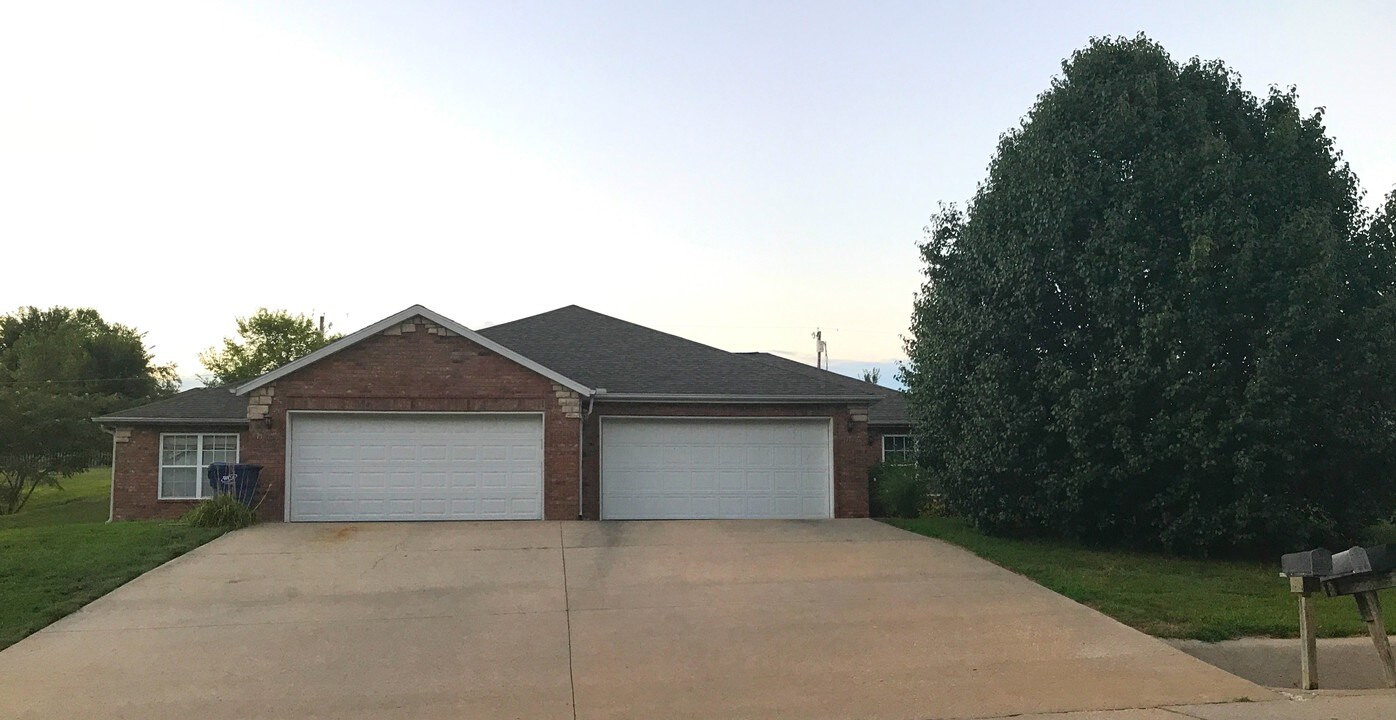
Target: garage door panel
(704,505)
(374,506)
(416,467)
(683,468)
(704,482)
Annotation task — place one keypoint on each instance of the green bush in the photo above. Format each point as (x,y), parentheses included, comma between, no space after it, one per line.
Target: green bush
(1381,534)
(897,491)
(1165,321)
(221,511)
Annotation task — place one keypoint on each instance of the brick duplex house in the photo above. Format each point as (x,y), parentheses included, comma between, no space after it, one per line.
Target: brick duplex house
(565,415)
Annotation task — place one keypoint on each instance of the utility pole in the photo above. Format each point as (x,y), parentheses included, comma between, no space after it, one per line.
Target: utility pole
(821,350)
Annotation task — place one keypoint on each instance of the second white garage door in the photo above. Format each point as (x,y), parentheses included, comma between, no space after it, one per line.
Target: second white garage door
(694,468)
(386,466)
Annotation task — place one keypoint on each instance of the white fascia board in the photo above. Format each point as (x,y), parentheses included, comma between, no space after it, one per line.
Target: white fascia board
(657,397)
(117,420)
(397,319)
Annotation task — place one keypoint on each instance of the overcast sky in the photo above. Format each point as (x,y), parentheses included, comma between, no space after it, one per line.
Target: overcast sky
(737,173)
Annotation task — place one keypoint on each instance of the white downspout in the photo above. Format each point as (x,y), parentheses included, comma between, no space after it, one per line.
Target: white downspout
(111,491)
(581,441)
(581,463)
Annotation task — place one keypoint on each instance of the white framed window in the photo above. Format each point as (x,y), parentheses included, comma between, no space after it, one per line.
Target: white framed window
(184,459)
(898,450)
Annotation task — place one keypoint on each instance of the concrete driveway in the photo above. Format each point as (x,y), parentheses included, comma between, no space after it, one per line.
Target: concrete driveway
(826,619)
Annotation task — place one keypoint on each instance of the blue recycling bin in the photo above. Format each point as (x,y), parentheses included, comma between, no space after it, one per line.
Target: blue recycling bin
(236,479)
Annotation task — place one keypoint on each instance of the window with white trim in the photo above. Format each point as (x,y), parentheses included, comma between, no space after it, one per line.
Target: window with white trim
(184,460)
(898,450)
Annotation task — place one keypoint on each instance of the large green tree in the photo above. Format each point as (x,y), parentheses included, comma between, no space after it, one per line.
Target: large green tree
(79,348)
(267,340)
(58,368)
(1164,321)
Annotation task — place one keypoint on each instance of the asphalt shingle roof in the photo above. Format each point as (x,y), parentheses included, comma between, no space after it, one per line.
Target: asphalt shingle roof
(600,351)
(205,403)
(890,410)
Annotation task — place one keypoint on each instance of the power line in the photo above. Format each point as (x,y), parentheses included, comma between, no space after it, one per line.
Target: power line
(64,382)
(786,327)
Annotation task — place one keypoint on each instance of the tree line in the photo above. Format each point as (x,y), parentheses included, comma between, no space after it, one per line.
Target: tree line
(60,367)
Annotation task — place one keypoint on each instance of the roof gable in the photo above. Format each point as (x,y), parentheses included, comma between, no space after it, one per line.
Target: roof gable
(398,318)
(587,352)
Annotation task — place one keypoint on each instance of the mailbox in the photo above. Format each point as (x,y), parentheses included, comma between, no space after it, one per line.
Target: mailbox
(1359,572)
(1311,563)
(1360,560)
(1354,561)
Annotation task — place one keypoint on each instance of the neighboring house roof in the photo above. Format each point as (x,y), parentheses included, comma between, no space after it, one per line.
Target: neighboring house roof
(890,410)
(201,405)
(633,361)
(594,354)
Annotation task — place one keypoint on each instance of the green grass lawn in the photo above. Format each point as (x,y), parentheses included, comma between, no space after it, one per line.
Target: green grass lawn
(1163,596)
(59,553)
(85,498)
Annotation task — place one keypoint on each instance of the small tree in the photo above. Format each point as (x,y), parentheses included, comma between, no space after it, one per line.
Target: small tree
(872,375)
(58,368)
(267,340)
(43,438)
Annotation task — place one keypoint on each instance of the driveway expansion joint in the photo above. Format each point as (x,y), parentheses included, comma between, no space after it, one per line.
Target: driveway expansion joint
(567,611)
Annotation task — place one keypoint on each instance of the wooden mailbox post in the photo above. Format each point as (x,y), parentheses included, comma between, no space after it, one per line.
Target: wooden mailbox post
(1363,589)
(1304,588)
(1359,572)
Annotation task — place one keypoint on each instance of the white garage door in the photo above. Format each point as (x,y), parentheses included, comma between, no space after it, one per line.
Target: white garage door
(416,467)
(672,469)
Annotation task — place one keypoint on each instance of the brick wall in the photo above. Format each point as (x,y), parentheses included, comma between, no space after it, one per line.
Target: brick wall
(852,454)
(418,367)
(136,473)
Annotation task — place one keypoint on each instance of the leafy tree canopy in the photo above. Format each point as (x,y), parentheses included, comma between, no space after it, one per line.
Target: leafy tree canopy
(1164,321)
(267,340)
(44,436)
(76,348)
(58,368)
